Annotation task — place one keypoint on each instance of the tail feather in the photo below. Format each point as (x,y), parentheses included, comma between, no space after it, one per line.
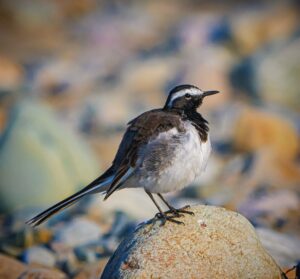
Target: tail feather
(90,189)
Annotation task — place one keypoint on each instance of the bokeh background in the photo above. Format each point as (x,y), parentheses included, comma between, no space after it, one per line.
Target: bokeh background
(73,73)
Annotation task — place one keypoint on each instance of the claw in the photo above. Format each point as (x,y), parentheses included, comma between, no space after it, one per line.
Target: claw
(187,212)
(158,215)
(173,213)
(176,212)
(164,218)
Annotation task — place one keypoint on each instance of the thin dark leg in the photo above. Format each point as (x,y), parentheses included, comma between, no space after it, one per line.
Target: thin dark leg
(156,204)
(174,210)
(161,215)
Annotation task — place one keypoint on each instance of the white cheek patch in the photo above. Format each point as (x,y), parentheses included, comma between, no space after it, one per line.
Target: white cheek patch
(181,93)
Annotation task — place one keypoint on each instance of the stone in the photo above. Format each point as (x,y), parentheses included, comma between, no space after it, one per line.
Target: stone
(214,243)
(134,202)
(39,255)
(106,146)
(277,208)
(40,160)
(11,74)
(211,75)
(139,77)
(66,258)
(77,232)
(85,254)
(14,243)
(3,118)
(10,268)
(273,142)
(262,26)
(92,270)
(285,249)
(278,71)
(17,236)
(44,273)
(268,131)
(290,273)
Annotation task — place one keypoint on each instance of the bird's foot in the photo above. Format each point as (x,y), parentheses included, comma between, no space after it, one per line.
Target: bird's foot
(164,218)
(183,210)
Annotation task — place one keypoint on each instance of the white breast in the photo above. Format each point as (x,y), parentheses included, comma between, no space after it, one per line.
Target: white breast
(188,162)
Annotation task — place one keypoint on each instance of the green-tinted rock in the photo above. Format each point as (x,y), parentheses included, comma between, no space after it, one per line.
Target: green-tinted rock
(41,161)
(278,74)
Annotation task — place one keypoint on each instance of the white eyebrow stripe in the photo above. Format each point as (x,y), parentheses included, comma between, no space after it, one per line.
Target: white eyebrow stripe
(191,91)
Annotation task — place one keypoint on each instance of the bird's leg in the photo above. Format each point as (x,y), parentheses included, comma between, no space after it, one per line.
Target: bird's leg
(175,211)
(171,208)
(161,215)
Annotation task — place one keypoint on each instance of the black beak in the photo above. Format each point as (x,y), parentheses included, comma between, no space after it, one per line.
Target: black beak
(208,93)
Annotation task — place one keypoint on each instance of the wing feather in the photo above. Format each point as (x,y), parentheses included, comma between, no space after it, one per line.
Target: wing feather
(139,132)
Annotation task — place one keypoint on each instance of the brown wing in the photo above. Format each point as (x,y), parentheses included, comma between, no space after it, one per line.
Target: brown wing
(140,130)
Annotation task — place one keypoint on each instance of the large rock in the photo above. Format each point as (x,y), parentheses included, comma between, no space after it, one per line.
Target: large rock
(42,273)
(214,243)
(41,161)
(79,231)
(278,73)
(284,248)
(274,142)
(268,131)
(39,255)
(133,202)
(91,270)
(10,268)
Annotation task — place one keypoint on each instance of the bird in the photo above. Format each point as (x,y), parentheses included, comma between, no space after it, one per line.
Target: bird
(162,150)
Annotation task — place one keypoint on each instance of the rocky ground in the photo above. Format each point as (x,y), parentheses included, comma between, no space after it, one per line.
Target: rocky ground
(72,73)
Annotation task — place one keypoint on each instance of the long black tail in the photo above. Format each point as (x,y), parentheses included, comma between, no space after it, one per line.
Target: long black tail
(95,187)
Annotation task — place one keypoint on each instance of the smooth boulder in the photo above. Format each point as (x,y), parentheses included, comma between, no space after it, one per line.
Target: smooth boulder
(214,243)
(41,161)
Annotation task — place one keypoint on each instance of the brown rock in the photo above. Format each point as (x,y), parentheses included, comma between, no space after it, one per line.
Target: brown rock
(256,129)
(42,273)
(290,272)
(262,26)
(93,270)
(10,268)
(214,243)
(11,74)
(275,143)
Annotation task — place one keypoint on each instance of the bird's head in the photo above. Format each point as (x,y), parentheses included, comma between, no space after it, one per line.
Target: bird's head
(186,97)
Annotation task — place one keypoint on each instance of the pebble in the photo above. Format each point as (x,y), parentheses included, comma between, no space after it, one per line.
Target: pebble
(39,255)
(67,262)
(10,268)
(285,58)
(133,202)
(11,74)
(268,131)
(77,232)
(92,270)
(284,248)
(85,254)
(44,273)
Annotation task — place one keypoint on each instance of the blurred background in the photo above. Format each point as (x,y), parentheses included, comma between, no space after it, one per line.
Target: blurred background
(73,73)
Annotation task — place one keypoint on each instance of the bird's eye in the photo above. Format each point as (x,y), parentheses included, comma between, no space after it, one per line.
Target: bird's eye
(188,96)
